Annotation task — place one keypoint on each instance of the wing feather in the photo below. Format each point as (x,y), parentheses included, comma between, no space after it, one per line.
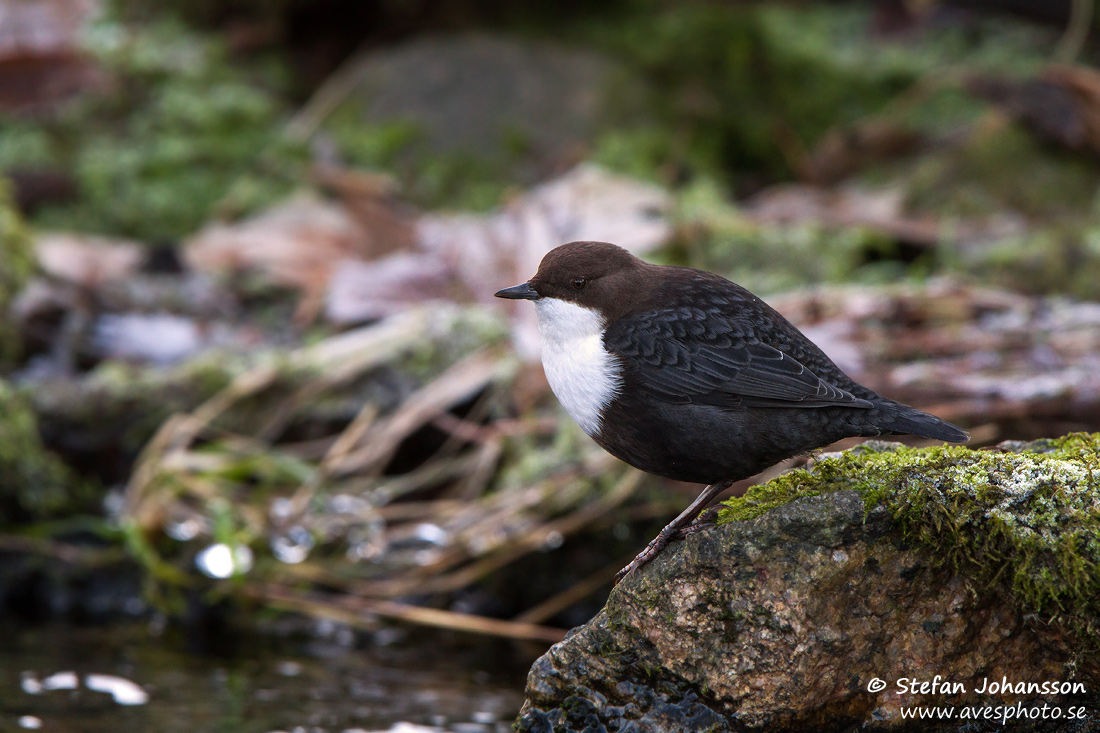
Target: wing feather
(688,355)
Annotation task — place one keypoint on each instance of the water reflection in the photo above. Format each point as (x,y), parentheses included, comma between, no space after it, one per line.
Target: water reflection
(96,679)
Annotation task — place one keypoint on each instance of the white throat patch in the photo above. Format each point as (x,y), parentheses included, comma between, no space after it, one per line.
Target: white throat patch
(582,373)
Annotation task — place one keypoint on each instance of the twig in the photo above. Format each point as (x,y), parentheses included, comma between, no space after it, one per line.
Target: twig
(455,385)
(337,359)
(409,510)
(535,538)
(431,578)
(1077,31)
(346,441)
(327,98)
(63,551)
(356,611)
(474,483)
(383,492)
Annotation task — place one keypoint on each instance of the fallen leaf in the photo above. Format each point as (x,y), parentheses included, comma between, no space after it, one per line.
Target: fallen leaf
(371,199)
(86,260)
(846,206)
(295,244)
(362,291)
(971,355)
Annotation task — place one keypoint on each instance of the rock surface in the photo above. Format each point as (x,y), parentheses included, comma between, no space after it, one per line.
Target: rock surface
(527,106)
(781,622)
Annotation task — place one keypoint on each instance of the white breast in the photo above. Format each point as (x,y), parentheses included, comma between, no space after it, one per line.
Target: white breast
(583,375)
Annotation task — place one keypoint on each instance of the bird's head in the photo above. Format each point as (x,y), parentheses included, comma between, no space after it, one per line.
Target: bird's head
(598,276)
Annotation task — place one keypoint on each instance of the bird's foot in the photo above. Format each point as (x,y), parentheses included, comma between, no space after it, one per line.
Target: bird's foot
(652,550)
(668,535)
(675,529)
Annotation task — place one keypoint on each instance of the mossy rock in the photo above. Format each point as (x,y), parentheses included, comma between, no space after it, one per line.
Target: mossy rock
(107,415)
(882,563)
(461,118)
(1028,519)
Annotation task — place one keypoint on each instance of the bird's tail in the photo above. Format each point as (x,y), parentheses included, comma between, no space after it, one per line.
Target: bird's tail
(904,419)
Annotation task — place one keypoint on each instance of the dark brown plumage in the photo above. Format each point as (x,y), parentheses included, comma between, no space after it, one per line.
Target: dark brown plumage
(705,381)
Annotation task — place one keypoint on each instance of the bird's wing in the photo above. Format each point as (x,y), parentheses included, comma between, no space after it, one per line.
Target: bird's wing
(688,355)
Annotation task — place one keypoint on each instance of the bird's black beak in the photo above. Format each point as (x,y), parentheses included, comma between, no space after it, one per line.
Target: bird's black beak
(519,292)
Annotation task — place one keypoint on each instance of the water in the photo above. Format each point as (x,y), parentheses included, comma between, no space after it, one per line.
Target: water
(129,678)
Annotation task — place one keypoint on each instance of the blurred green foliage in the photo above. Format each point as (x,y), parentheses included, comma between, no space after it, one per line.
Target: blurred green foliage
(182,129)
(738,92)
(738,95)
(716,235)
(741,89)
(34,483)
(17,261)
(1003,167)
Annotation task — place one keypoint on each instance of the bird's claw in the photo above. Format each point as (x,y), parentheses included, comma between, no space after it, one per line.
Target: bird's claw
(652,550)
(678,528)
(642,558)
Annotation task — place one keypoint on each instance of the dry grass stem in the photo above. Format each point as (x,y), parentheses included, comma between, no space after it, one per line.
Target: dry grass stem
(253,466)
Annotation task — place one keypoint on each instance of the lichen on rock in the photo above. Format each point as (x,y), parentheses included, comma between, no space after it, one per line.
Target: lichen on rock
(880,562)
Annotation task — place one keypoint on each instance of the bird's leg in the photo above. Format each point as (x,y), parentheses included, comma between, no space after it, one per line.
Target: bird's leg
(667,534)
(706,518)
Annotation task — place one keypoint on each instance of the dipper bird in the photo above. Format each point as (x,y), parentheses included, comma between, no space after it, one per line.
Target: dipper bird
(684,374)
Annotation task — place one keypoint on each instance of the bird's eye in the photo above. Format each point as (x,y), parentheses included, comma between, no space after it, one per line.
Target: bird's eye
(579,283)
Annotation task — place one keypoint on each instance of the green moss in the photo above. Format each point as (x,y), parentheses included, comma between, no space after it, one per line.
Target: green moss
(1058,253)
(776,258)
(17,256)
(370,146)
(119,406)
(1062,259)
(638,152)
(1003,166)
(741,88)
(432,179)
(34,483)
(183,129)
(1029,520)
(467,331)
(24,144)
